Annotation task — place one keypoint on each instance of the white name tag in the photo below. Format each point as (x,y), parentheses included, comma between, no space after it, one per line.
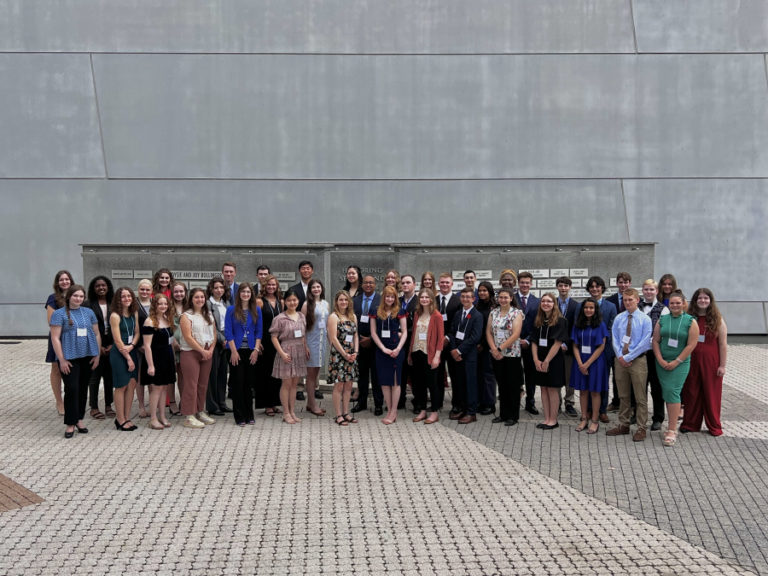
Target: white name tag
(586,349)
(701,337)
(363,319)
(170,340)
(422,335)
(626,340)
(82,332)
(543,342)
(445,317)
(672,343)
(459,335)
(501,335)
(297,333)
(385,333)
(348,338)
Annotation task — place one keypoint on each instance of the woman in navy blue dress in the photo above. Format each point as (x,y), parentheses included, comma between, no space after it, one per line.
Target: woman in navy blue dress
(61,283)
(389,333)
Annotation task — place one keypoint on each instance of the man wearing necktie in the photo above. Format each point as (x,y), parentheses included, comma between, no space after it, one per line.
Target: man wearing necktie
(529,304)
(464,335)
(448,304)
(408,304)
(366,303)
(631,337)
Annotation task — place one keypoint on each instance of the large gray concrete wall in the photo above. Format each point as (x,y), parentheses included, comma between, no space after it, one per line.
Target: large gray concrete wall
(452,122)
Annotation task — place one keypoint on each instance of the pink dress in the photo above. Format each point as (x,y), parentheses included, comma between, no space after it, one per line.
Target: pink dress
(292,344)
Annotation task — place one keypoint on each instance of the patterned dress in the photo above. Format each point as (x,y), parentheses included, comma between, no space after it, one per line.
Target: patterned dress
(290,334)
(340,370)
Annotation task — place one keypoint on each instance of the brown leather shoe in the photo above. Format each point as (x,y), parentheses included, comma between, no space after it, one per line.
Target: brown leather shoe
(618,431)
(604,419)
(639,435)
(467,419)
(456,415)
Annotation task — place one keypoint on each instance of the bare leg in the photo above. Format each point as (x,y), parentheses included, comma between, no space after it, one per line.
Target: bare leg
(584,402)
(550,399)
(154,403)
(119,397)
(129,398)
(312,379)
(294,384)
(345,397)
(284,391)
(56,387)
(674,412)
(387,392)
(142,404)
(595,423)
(338,391)
(392,408)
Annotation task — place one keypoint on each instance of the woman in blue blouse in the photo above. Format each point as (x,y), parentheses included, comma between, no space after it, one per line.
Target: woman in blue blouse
(76,343)
(242,329)
(61,283)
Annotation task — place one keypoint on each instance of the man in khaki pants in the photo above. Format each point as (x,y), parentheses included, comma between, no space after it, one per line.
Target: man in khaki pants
(631,336)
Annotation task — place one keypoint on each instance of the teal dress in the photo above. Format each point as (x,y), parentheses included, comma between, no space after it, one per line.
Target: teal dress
(672,380)
(121,376)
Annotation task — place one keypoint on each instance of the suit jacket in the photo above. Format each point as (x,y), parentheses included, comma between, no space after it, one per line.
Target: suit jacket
(608,312)
(299,289)
(614,299)
(531,308)
(571,313)
(409,312)
(363,328)
(452,306)
(104,331)
(473,332)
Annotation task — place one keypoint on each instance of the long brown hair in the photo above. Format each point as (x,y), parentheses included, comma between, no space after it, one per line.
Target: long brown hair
(240,314)
(153,313)
(432,305)
(68,294)
(350,314)
(205,313)
(713,316)
(278,293)
(58,293)
(311,301)
(117,305)
(554,316)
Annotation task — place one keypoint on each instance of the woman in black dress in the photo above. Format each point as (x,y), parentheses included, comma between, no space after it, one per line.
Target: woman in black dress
(549,332)
(159,366)
(267,392)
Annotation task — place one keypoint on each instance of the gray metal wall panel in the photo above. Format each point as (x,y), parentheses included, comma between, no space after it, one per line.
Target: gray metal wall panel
(48,122)
(327,26)
(701,25)
(404,117)
(744,317)
(710,232)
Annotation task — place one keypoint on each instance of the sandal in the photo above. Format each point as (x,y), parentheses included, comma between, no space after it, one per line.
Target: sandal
(349,418)
(173,412)
(269,412)
(597,427)
(670,438)
(154,426)
(319,412)
(96,414)
(341,421)
(582,425)
(110,412)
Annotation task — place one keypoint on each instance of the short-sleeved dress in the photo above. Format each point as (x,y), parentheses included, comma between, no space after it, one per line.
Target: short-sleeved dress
(339,369)
(672,381)
(597,378)
(317,338)
(50,356)
(555,377)
(121,376)
(293,345)
(388,368)
(162,357)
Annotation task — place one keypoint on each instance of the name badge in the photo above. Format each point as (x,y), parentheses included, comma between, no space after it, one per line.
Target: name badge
(445,317)
(672,342)
(459,335)
(348,338)
(500,335)
(170,340)
(422,335)
(626,340)
(543,342)
(82,332)
(297,333)
(586,349)
(701,337)
(363,319)
(385,333)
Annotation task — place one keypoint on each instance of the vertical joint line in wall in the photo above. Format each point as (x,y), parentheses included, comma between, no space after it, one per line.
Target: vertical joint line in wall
(624,202)
(765,65)
(634,28)
(98,118)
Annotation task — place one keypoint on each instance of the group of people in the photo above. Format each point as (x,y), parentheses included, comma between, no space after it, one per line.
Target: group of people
(253,344)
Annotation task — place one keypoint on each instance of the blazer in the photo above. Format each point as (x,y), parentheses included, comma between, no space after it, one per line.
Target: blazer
(214,310)
(105,331)
(410,310)
(571,313)
(435,334)
(614,299)
(234,329)
(531,308)
(363,328)
(473,332)
(608,312)
(452,306)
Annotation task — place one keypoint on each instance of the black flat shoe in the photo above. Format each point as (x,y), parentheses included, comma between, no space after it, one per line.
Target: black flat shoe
(359,408)
(541,426)
(487,411)
(226,409)
(497,420)
(510,422)
(378,411)
(551,426)
(82,430)
(532,410)
(216,412)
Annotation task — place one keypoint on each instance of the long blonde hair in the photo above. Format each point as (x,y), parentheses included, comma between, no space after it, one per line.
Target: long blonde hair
(350,313)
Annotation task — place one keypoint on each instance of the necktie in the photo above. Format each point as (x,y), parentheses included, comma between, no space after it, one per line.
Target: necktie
(442,305)
(625,350)
(524,300)
(366,306)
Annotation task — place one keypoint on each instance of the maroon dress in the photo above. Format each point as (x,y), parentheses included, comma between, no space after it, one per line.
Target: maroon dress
(703,389)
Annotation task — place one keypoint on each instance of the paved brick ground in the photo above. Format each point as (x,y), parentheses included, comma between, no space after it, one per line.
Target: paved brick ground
(316,498)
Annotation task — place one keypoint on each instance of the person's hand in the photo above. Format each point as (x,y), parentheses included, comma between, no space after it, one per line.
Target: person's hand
(545,366)
(151,370)
(95,362)
(497,355)
(394,353)
(254,357)
(435,362)
(207,354)
(410,361)
(65,366)
(524,344)
(286,357)
(234,359)
(538,365)
(260,348)
(720,371)
(307,352)
(584,370)
(455,355)
(626,364)
(131,365)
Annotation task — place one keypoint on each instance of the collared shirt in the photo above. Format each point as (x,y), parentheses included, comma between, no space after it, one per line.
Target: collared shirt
(640,339)
(367,301)
(563,305)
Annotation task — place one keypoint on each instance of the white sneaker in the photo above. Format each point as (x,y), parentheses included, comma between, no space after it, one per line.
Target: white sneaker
(192,422)
(205,419)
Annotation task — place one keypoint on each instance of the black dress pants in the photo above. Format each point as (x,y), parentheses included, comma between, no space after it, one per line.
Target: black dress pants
(509,378)
(241,382)
(76,390)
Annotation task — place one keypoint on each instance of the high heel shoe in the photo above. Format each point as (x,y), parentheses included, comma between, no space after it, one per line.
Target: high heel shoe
(82,430)
(69,434)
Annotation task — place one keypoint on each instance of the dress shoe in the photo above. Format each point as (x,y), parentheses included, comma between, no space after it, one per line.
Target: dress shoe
(531,409)
(639,435)
(487,411)
(216,412)
(618,431)
(656,426)
(360,408)
(431,420)
(226,409)
(455,415)
(378,411)
(82,430)
(551,426)
(510,422)
(613,407)
(69,434)
(497,420)
(300,395)
(318,395)
(467,419)
(604,419)
(540,425)
(571,411)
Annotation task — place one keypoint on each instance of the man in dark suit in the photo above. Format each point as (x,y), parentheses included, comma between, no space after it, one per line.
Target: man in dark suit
(529,304)
(306,269)
(366,303)
(623,282)
(228,272)
(569,308)
(463,337)
(408,304)
(447,304)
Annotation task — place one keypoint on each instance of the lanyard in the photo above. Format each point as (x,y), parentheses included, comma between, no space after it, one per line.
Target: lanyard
(546,335)
(129,330)
(590,336)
